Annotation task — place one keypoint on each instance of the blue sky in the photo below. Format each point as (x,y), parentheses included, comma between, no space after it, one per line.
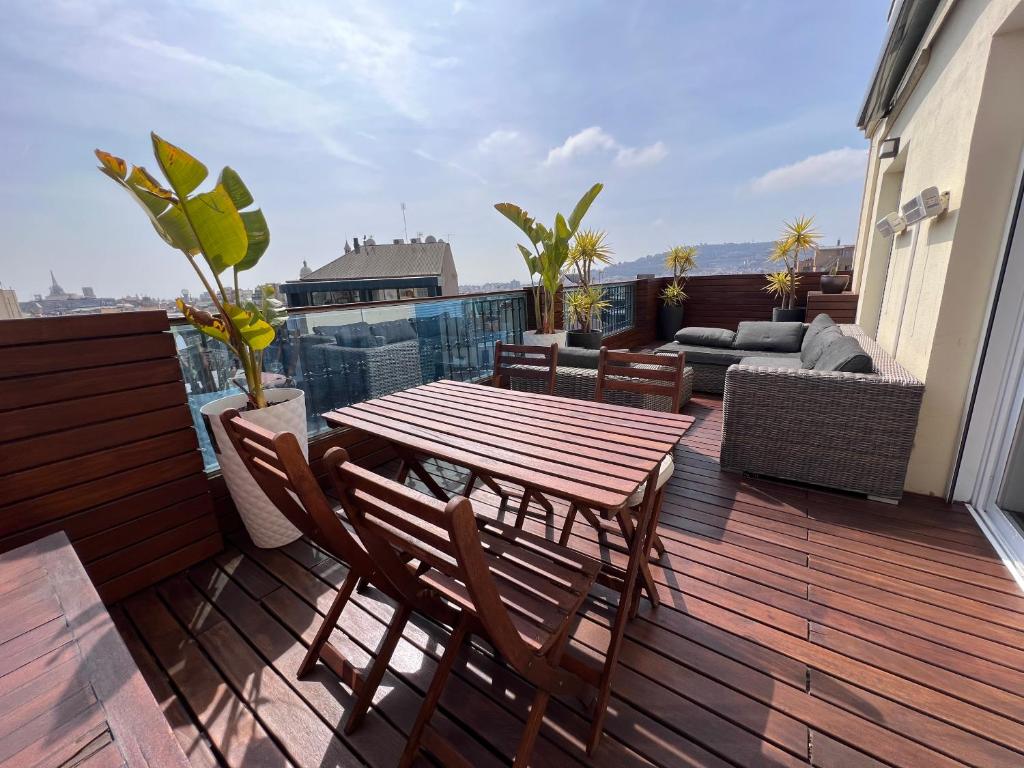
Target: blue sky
(707,122)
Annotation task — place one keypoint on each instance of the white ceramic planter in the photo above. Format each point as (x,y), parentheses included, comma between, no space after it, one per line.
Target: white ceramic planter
(266,525)
(535,339)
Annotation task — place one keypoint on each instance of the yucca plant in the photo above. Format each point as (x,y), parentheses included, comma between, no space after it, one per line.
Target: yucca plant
(214,227)
(781,284)
(681,259)
(798,236)
(589,247)
(547,261)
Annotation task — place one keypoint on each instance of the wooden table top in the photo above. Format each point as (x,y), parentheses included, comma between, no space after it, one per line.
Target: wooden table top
(69,689)
(592,453)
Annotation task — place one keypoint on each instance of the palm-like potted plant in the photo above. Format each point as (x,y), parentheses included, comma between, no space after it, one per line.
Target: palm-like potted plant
(680,259)
(797,236)
(215,232)
(586,299)
(547,260)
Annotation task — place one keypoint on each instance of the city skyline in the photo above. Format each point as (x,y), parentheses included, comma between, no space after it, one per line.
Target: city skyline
(706,124)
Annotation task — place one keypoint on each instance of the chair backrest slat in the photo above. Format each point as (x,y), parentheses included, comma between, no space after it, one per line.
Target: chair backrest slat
(525,362)
(641,373)
(278,465)
(395,521)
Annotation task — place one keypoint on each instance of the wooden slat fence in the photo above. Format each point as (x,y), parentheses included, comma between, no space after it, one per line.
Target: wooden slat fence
(96,439)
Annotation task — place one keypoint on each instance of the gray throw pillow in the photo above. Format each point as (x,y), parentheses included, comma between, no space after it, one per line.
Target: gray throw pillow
(706,337)
(768,336)
(575,357)
(356,335)
(811,351)
(846,355)
(817,325)
(394,331)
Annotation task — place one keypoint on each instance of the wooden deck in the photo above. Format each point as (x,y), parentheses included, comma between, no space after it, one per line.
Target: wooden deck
(798,627)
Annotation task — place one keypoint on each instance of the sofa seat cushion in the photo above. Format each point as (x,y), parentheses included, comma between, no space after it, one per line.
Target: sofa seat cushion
(767,336)
(811,353)
(846,355)
(773,361)
(575,357)
(706,337)
(713,356)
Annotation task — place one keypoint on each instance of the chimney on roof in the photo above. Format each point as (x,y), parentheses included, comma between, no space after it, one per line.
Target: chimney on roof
(355,243)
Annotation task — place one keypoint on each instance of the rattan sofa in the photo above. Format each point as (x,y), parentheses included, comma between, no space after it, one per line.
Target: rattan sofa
(850,431)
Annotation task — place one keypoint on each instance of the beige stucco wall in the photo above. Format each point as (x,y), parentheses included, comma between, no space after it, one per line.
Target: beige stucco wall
(962,130)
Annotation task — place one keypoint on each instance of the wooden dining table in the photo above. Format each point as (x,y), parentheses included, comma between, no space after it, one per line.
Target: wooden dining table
(594,455)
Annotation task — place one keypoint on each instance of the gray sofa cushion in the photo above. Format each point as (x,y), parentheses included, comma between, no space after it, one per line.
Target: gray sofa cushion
(706,337)
(356,335)
(765,335)
(574,357)
(817,325)
(394,331)
(811,353)
(774,361)
(844,354)
(712,356)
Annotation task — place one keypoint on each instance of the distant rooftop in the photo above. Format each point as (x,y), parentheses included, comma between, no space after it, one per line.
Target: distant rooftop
(397,259)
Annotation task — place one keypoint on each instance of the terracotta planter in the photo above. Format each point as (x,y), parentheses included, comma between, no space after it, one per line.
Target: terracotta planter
(287,413)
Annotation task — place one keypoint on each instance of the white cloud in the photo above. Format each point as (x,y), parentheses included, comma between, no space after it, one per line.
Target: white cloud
(631,157)
(596,139)
(497,140)
(837,166)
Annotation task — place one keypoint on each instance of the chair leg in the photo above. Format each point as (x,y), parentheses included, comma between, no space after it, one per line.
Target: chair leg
(570,518)
(380,664)
(523,506)
(329,623)
(526,742)
(433,696)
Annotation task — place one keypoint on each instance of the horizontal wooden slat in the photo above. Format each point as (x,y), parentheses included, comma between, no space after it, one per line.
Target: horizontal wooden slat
(56,387)
(88,353)
(43,330)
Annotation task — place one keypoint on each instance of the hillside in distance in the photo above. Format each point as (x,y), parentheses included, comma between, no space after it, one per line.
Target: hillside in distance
(712,259)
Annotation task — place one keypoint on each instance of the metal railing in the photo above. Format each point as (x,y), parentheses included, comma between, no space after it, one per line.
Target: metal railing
(619,316)
(340,356)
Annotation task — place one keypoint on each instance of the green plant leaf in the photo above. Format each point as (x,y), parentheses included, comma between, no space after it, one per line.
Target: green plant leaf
(219,228)
(258,235)
(576,217)
(519,217)
(237,191)
(255,332)
(203,321)
(181,169)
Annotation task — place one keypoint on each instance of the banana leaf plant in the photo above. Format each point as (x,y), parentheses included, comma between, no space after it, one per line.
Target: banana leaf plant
(215,228)
(550,255)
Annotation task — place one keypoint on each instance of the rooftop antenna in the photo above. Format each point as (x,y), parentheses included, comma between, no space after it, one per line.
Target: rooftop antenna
(405,225)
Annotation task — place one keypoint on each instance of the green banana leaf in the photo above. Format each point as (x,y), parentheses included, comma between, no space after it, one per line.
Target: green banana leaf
(203,321)
(219,228)
(255,332)
(181,169)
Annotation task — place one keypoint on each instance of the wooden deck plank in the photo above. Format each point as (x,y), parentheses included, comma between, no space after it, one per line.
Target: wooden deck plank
(798,627)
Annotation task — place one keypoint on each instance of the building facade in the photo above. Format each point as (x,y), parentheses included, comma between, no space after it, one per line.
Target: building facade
(371,272)
(944,295)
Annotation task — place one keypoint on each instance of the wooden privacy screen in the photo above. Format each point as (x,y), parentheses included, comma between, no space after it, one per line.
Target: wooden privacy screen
(722,301)
(96,439)
(841,307)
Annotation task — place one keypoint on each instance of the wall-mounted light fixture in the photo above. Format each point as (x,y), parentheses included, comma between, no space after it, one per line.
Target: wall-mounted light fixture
(891,224)
(889,148)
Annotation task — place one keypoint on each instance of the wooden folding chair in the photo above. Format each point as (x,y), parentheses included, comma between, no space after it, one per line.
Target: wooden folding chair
(517,591)
(276,462)
(659,379)
(536,368)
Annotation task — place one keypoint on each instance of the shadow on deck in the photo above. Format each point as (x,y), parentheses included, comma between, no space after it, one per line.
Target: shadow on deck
(799,627)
